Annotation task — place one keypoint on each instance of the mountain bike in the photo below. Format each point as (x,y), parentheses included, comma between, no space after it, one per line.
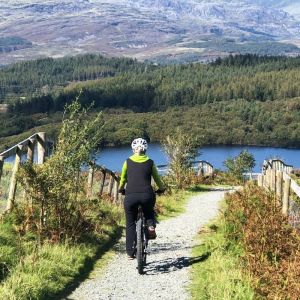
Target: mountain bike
(142,237)
(141,240)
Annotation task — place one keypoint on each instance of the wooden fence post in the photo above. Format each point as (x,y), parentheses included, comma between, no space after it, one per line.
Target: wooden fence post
(90,182)
(13,181)
(268,175)
(41,147)
(260,179)
(116,194)
(30,150)
(273,180)
(286,195)
(264,176)
(265,179)
(110,185)
(1,166)
(102,182)
(279,182)
(30,154)
(200,169)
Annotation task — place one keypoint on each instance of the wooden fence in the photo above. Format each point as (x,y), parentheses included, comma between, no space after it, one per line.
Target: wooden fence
(205,168)
(278,165)
(108,184)
(285,188)
(202,167)
(26,149)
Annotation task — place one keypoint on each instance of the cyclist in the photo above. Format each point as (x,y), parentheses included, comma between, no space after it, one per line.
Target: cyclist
(137,171)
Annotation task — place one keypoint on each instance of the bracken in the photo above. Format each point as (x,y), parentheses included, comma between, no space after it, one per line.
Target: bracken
(272,247)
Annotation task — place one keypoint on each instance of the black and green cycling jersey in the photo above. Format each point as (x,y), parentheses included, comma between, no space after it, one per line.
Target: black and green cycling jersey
(142,158)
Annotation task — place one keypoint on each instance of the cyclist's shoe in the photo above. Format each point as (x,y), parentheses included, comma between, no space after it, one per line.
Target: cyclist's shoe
(130,257)
(151,233)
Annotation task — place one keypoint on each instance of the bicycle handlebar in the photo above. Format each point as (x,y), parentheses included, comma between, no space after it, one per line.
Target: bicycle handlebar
(157,192)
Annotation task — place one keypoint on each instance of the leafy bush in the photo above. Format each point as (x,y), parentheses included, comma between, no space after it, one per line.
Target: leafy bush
(59,207)
(182,150)
(242,163)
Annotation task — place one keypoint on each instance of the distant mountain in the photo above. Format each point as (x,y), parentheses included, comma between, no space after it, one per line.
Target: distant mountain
(159,30)
(290,6)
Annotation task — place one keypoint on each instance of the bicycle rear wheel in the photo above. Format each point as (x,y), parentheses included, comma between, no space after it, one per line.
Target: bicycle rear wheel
(140,246)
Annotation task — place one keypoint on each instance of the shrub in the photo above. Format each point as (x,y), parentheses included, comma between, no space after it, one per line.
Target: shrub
(242,163)
(272,247)
(182,150)
(59,207)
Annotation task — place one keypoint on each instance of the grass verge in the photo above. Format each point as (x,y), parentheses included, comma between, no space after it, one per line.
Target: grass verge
(172,205)
(217,272)
(50,271)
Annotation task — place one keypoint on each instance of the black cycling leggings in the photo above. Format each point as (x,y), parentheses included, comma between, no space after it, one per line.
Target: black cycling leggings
(131,204)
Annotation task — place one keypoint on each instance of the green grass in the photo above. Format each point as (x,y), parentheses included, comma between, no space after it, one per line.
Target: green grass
(10,249)
(168,206)
(50,271)
(217,272)
(46,272)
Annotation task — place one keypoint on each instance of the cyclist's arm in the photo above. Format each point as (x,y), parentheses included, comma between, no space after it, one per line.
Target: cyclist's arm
(156,178)
(123,178)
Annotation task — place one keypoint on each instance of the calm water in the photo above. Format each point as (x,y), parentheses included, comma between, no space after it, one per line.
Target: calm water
(113,158)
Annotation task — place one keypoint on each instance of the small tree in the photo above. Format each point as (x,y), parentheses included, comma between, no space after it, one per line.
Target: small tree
(182,150)
(56,188)
(242,163)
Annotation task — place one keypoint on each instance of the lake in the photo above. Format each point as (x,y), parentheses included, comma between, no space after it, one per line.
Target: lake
(113,158)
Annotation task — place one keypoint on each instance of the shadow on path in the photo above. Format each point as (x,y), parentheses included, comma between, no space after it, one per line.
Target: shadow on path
(171,265)
(211,189)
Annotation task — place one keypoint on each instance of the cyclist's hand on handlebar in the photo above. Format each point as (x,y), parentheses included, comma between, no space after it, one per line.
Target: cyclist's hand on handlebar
(160,191)
(122,191)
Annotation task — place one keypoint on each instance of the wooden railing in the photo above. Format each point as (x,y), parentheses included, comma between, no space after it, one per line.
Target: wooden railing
(202,167)
(205,168)
(285,188)
(108,179)
(278,165)
(27,148)
(109,182)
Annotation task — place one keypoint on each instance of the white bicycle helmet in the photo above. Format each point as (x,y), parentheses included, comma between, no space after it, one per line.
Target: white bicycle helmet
(139,143)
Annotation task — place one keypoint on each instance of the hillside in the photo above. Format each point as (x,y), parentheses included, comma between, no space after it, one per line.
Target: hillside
(238,100)
(154,30)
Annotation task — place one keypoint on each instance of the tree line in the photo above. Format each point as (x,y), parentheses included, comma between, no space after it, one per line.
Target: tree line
(272,123)
(142,87)
(26,81)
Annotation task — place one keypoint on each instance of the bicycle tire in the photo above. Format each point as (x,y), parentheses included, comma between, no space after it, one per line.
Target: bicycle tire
(139,246)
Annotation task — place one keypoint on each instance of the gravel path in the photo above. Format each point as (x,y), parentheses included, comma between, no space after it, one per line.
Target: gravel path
(167,270)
